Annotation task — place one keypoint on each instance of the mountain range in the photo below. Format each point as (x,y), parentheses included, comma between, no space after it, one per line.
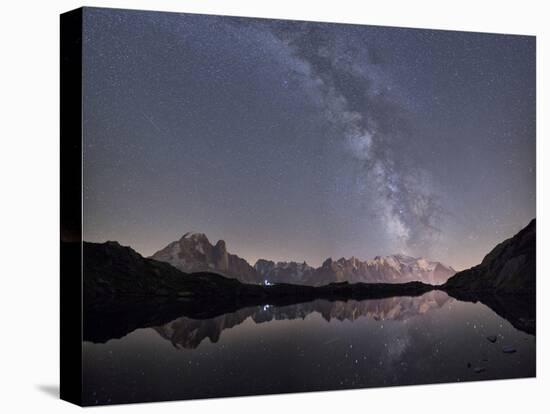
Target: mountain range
(124,291)
(193,252)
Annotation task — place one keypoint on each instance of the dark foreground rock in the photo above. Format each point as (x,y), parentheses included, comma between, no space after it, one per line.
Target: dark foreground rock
(510,268)
(505,280)
(508,349)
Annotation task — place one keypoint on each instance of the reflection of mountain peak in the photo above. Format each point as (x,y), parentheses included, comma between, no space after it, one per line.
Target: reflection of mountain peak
(188,333)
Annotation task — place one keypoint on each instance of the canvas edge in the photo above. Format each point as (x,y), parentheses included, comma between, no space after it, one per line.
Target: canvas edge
(71,206)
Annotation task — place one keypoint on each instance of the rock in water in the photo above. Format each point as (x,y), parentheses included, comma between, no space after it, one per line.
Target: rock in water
(492,338)
(508,349)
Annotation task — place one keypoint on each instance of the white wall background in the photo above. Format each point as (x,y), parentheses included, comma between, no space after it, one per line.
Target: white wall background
(29,193)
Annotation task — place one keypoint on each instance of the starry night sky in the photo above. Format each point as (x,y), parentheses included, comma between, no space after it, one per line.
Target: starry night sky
(302,141)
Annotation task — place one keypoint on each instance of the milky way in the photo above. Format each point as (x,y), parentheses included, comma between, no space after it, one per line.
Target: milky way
(298,140)
(362,109)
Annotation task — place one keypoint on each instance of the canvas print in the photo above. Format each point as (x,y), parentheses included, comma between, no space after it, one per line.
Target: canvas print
(273,206)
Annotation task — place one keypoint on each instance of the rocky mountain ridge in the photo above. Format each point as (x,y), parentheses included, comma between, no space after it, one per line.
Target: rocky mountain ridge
(509,268)
(193,252)
(397,268)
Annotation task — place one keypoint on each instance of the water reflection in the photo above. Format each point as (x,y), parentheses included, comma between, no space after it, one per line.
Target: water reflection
(319,345)
(189,333)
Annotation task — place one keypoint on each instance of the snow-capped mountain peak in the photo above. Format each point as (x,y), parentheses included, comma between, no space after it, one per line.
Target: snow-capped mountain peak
(193,252)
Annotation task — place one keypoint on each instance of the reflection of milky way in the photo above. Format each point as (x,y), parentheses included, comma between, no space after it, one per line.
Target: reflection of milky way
(185,332)
(308,347)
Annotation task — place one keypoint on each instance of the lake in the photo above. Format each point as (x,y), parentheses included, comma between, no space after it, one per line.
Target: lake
(314,346)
